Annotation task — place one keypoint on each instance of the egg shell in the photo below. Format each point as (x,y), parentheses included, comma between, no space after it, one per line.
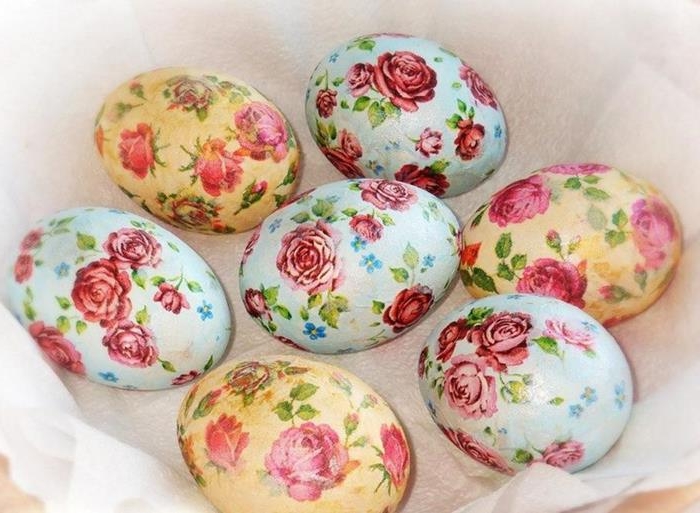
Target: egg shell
(513,380)
(201,150)
(404,108)
(349,265)
(588,234)
(288,435)
(110,295)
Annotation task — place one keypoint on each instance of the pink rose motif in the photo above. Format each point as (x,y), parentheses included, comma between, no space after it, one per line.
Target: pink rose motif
(395,456)
(359,78)
(186,377)
(219,170)
(653,230)
(429,143)
(519,201)
(100,292)
(189,93)
(24,266)
(422,359)
(130,247)
(170,298)
(502,339)
(468,143)
(481,453)
(350,144)
(561,331)
(387,194)
(307,460)
(549,277)
(251,245)
(469,254)
(448,338)
(405,79)
(326,102)
(477,86)
(246,378)
(343,162)
(576,169)
(225,441)
(408,307)
(468,390)
(261,131)
(254,302)
(136,150)
(56,347)
(31,240)
(100,140)
(563,454)
(131,344)
(425,178)
(367,227)
(308,258)
(193,212)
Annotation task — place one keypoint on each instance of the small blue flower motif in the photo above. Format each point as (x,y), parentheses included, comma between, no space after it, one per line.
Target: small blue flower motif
(371,262)
(393,146)
(376,168)
(589,396)
(334,57)
(503,431)
(431,409)
(620,396)
(314,332)
(498,132)
(358,244)
(575,410)
(590,326)
(61,270)
(428,260)
(308,94)
(108,376)
(274,225)
(514,296)
(204,311)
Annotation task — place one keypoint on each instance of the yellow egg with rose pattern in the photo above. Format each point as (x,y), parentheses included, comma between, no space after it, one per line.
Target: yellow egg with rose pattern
(201,150)
(587,234)
(285,434)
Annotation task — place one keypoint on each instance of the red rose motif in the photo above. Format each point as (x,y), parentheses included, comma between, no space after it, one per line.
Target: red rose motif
(477,86)
(469,254)
(502,339)
(186,378)
(359,78)
(100,292)
(367,227)
(225,441)
(24,266)
(448,338)
(218,169)
(395,456)
(468,390)
(254,302)
(131,344)
(481,453)
(350,144)
(100,140)
(261,131)
(388,194)
(549,277)
(576,169)
(563,454)
(425,178)
(251,245)
(519,201)
(561,331)
(653,230)
(469,139)
(422,359)
(170,298)
(31,240)
(429,142)
(246,378)
(408,307)
(343,162)
(405,79)
(308,258)
(56,347)
(193,212)
(326,102)
(189,93)
(136,150)
(130,247)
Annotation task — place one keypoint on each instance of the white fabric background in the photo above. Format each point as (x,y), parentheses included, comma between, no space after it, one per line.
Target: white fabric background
(612,82)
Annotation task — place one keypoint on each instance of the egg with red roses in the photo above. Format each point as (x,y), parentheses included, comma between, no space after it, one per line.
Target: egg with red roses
(113,297)
(403,108)
(350,265)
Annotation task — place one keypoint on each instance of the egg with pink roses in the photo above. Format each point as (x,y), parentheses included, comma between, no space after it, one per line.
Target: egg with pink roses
(288,434)
(588,234)
(113,297)
(403,108)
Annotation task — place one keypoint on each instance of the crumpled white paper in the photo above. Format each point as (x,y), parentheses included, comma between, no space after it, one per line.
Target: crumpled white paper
(613,82)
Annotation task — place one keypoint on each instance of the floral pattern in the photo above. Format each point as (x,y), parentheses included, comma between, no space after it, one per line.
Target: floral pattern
(501,358)
(186,146)
(103,313)
(380,89)
(310,271)
(587,234)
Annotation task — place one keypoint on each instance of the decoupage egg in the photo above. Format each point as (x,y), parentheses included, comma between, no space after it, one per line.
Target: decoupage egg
(349,265)
(288,435)
(111,296)
(513,380)
(202,151)
(404,108)
(588,234)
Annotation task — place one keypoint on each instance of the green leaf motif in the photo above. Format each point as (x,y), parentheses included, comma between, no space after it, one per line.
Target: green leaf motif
(615,294)
(595,194)
(400,274)
(85,241)
(556,401)
(332,131)
(456,85)
(366,45)
(206,404)
(504,245)
(63,324)
(452,121)
(596,218)
(591,179)
(518,262)
(377,307)
(619,219)
(138,278)
(270,294)
(350,212)
(361,104)
(209,363)
(548,345)
(439,166)
(522,456)
(461,106)
(483,280)
(337,81)
(477,315)
(282,311)
(304,313)
(344,104)
(301,217)
(615,238)
(306,412)
(375,114)
(322,208)
(142,316)
(471,112)
(314,300)
(410,256)
(479,214)
(386,219)
(29,311)
(572,183)
(466,277)
(63,302)
(284,411)
(80,326)
(640,279)
(303,391)
(157,280)
(331,310)
(202,114)
(318,80)
(194,286)
(505,272)
(167,366)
